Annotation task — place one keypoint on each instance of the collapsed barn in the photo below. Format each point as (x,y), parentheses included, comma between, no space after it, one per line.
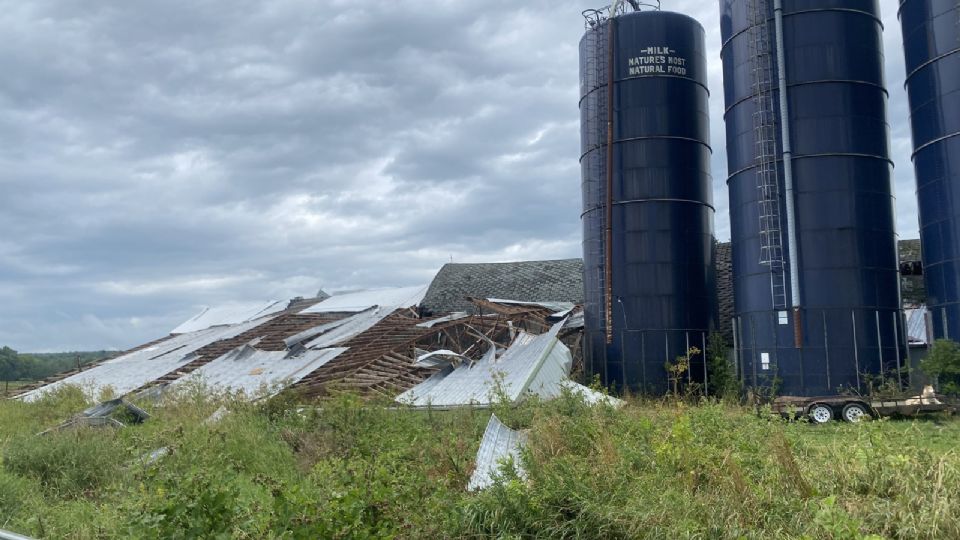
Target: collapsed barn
(376,343)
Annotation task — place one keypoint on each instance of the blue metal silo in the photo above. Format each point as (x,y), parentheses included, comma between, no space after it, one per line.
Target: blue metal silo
(647,205)
(931,41)
(816,286)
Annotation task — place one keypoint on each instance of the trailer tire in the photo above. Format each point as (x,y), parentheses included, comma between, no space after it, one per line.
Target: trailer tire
(820,413)
(855,412)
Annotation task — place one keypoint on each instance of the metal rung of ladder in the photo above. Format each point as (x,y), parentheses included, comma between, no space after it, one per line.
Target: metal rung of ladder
(765,135)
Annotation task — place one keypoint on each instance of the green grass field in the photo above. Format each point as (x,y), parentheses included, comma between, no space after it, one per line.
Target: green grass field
(359,470)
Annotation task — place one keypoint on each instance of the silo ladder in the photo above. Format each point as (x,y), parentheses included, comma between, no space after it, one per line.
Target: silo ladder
(765,134)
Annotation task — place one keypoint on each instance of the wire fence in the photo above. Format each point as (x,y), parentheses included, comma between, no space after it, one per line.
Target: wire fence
(842,350)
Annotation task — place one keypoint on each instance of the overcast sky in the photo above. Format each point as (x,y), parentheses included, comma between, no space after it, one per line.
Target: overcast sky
(157,157)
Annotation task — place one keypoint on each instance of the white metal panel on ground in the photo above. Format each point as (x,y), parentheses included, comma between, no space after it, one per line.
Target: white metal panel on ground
(359,301)
(258,373)
(229,314)
(131,371)
(537,365)
(499,444)
(590,395)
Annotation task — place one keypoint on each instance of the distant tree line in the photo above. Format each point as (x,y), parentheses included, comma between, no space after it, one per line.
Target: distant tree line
(15,366)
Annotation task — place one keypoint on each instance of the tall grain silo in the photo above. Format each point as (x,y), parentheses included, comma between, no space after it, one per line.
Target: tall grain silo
(931,41)
(816,286)
(647,208)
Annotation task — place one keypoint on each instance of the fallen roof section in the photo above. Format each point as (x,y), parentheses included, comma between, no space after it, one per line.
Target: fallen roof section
(268,336)
(229,314)
(371,351)
(131,371)
(258,373)
(589,395)
(382,359)
(350,327)
(379,359)
(102,415)
(500,445)
(534,364)
(391,299)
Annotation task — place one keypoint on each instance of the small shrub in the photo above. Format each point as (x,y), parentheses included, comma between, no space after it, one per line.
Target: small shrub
(677,370)
(722,381)
(943,362)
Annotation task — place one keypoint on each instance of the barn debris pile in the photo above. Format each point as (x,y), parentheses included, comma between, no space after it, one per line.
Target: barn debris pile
(377,343)
(105,415)
(532,365)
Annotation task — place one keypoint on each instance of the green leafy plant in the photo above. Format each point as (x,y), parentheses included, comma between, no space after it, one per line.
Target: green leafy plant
(677,369)
(943,363)
(721,381)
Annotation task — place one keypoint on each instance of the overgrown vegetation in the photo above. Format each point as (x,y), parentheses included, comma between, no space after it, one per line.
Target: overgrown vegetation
(722,380)
(353,469)
(943,363)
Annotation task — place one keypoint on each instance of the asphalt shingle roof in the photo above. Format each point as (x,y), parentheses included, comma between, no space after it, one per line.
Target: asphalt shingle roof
(531,281)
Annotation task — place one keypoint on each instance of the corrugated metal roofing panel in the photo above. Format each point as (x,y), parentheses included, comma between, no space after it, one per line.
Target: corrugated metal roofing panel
(546,381)
(452,317)
(258,373)
(7,535)
(917,325)
(499,444)
(590,395)
(440,358)
(131,371)
(537,365)
(575,320)
(314,332)
(229,314)
(359,301)
(346,329)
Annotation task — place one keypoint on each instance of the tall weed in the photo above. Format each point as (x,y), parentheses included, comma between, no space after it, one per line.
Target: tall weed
(67,464)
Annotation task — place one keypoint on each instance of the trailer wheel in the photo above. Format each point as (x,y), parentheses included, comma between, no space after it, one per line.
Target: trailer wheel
(855,412)
(820,413)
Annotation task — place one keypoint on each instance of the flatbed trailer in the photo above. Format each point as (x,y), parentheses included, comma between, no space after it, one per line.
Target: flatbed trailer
(823,409)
